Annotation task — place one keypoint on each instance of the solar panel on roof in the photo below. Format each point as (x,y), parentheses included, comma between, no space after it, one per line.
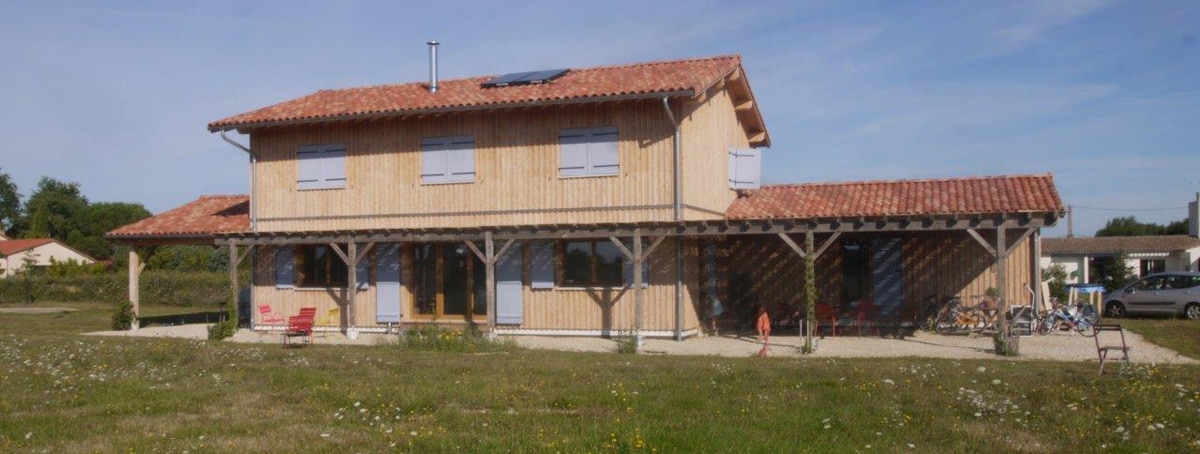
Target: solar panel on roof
(506,79)
(524,78)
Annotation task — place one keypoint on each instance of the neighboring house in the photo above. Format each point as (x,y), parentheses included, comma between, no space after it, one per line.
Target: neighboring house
(1144,254)
(40,252)
(592,202)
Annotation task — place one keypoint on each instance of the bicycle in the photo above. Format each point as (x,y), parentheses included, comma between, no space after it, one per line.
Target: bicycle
(1079,317)
(956,318)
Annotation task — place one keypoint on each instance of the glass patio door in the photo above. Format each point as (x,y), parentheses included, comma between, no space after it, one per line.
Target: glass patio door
(450,283)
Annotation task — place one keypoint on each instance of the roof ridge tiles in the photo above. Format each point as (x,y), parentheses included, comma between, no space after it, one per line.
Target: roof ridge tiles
(422,84)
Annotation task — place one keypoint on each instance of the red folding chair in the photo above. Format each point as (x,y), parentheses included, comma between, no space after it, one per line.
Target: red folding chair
(298,326)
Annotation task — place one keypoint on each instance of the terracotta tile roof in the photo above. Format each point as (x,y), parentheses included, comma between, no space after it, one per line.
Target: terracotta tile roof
(208,215)
(10,247)
(1107,245)
(650,79)
(974,195)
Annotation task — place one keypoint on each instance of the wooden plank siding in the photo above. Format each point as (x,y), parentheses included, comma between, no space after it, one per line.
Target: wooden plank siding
(545,309)
(935,263)
(516,172)
(289,301)
(710,129)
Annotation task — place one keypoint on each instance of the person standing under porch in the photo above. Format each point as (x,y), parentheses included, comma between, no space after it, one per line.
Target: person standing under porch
(764,329)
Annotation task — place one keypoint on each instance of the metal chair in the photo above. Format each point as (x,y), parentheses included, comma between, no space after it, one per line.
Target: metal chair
(268,317)
(1102,351)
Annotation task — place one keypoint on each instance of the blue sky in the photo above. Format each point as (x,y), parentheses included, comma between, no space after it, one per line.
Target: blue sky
(1103,94)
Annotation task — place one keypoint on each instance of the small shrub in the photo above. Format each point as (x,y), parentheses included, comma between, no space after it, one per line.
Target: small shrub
(1006,346)
(436,338)
(222,330)
(627,345)
(122,319)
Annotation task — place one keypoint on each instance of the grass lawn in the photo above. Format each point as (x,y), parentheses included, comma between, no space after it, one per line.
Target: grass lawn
(68,393)
(1179,334)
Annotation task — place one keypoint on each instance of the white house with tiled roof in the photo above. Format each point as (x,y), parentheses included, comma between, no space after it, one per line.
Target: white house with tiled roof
(1143,254)
(588,201)
(38,252)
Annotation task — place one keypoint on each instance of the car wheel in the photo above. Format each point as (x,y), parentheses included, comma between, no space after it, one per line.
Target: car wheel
(1192,311)
(1115,310)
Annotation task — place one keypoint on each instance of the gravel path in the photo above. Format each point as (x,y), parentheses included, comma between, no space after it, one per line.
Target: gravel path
(34,310)
(1064,346)
(1055,347)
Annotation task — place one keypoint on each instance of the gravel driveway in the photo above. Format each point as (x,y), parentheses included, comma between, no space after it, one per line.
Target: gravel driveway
(1063,346)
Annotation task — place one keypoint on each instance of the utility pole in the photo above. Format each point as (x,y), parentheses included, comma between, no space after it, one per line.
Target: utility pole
(1070,221)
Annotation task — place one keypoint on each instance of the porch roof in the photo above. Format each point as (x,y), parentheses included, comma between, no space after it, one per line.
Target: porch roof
(196,222)
(1030,202)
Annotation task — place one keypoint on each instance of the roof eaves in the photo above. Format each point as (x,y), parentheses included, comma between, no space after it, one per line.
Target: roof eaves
(243,127)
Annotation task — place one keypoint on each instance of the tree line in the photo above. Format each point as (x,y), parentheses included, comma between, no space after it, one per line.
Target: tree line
(59,210)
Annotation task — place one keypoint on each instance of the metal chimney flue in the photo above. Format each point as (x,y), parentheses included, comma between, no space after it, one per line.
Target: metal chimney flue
(433,77)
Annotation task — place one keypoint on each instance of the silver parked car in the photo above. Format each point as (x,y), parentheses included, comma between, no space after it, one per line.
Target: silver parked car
(1171,293)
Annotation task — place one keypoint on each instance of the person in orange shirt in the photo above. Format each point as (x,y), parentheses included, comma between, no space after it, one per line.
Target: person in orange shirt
(764,329)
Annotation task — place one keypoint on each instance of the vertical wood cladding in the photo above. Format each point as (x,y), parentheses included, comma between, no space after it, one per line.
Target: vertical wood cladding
(517,178)
(935,263)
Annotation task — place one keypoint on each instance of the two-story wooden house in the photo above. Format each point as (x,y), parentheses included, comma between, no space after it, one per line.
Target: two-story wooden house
(580,202)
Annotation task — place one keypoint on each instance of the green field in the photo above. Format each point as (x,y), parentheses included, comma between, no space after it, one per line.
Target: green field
(63,392)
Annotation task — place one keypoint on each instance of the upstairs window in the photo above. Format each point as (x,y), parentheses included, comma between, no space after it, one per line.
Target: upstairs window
(448,160)
(321,167)
(588,152)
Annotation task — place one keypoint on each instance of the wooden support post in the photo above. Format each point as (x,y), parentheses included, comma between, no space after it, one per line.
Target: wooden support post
(235,263)
(637,257)
(1035,266)
(351,257)
(490,256)
(1003,337)
(233,281)
(135,272)
(489,246)
(810,288)
(638,294)
(351,287)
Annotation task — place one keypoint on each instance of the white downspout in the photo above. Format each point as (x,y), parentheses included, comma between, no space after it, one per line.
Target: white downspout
(678,218)
(253,217)
(253,224)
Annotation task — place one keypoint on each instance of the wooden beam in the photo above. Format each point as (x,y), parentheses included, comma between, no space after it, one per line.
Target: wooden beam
(338,249)
(1008,249)
(653,245)
(471,245)
(351,258)
(792,244)
(624,250)
(983,242)
(825,245)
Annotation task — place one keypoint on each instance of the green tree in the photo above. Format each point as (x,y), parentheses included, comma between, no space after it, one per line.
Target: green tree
(54,210)
(10,202)
(1112,272)
(99,218)
(1129,226)
(1179,227)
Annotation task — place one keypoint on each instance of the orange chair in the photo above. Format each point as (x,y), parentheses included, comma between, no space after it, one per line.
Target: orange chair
(826,312)
(268,317)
